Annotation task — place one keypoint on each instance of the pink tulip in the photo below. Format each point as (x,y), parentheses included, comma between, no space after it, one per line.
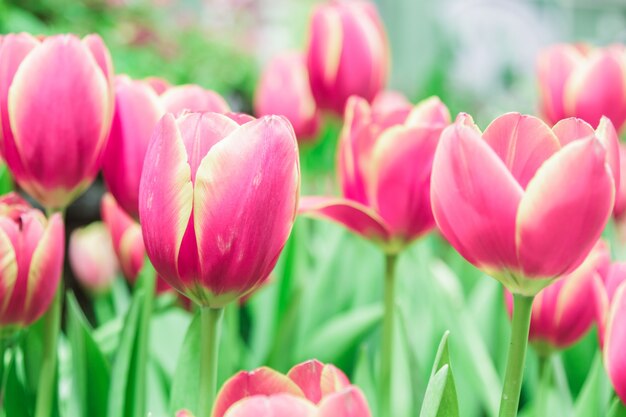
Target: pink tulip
(350,402)
(56,106)
(159,85)
(385,158)
(137,112)
(127,241)
(523,202)
(92,257)
(347,53)
(217,201)
(582,82)
(620,198)
(284,90)
(605,288)
(32,261)
(615,342)
(279,405)
(561,312)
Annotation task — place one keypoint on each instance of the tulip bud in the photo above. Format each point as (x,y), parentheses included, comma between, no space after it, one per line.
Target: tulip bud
(521,201)
(583,82)
(349,402)
(32,253)
(92,257)
(384,162)
(127,241)
(217,202)
(284,90)
(56,106)
(560,317)
(347,53)
(615,342)
(605,287)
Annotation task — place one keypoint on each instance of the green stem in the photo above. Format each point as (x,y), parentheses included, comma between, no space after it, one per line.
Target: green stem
(211,321)
(387,342)
(47,376)
(233,323)
(522,308)
(543,387)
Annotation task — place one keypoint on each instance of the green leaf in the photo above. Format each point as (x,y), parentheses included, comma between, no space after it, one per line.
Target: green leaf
(17,402)
(90,370)
(185,387)
(6,182)
(440,399)
(617,409)
(590,400)
(341,334)
(443,357)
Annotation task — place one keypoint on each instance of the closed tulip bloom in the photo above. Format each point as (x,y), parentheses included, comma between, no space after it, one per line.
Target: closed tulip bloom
(523,202)
(583,82)
(56,106)
(347,53)
(615,342)
(605,288)
(561,313)
(217,202)
(384,163)
(92,257)
(32,253)
(284,90)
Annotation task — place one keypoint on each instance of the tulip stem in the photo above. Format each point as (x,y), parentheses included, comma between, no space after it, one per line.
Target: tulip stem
(211,322)
(387,343)
(522,308)
(47,376)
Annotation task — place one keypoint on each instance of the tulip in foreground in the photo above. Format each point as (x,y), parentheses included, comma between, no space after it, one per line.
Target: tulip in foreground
(347,53)
(56,106)
(526,204)
(217,201)
(583,82)
(284,90)
(92,258)
(615,342)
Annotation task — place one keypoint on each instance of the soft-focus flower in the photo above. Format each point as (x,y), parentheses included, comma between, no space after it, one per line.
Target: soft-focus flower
(284,90)
(620,197)
(523,202)
(138,109)
(56,106)
(32,261)
(309,389)
(127,241)
(217,202)
(347,53)
(582,82)
(562,313)
(92,257)
(384,163)
(605,287)
(615,342)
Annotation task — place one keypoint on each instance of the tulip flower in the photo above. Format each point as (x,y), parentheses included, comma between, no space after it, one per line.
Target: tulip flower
(92,257)
(127,241)
(605,287)
(347,53)
(56,106)
(524,203)
(615,342)
(217,201)
(620,198)
(284,90)
(138,110)
(560,317)
(587,83)
(32,250)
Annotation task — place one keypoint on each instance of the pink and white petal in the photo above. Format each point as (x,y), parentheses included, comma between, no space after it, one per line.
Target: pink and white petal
(354,216)
(615,343)
(317,380)
(601,305)
(401,164)
(245,200)
(523,143)
(475,199)
(347,403)
(165,198)
(158,84)
(430,111)
(564,210)
(193,98)
(610,139)
(100,54)
(8,273)
(620,198)
(571,129)
(262,381)
(281,405)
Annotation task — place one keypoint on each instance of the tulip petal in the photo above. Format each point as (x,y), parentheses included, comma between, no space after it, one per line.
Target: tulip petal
(347,403)
(571,129)
(165,198)
(282,405)
(402,160)
(354,216)
(430,111)
(564,210)
(523,142)
(615,343)
(262,381)
(8,273)
(608,136)
(245,201)
(317,380)
(475,198)
(193,98)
